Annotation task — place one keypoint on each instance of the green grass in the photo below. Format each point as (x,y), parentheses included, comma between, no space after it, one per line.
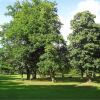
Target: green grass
(13,88)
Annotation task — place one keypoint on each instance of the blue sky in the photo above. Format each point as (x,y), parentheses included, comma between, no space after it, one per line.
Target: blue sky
(64,7)
(66,10)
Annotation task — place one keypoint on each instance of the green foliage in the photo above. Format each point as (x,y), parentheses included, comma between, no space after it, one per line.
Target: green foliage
(82,20)
(48,63)
(85,42)
(33,36)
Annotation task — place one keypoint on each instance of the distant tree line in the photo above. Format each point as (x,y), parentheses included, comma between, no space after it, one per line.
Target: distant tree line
(32,43)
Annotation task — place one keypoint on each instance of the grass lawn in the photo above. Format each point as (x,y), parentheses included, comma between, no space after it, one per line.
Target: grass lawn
(13,88)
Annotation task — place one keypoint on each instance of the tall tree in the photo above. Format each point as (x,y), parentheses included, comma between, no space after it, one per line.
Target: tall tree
(63,58)
(85,43)
(54,59)
(33,23)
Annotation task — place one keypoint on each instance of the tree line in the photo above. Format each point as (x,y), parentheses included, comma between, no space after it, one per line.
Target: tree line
(32,42)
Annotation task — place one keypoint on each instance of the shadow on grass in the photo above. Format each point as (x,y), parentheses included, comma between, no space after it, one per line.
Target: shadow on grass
(71,79)
(10,90)
(66,79)
(97,79)
(58,79)
(16,91)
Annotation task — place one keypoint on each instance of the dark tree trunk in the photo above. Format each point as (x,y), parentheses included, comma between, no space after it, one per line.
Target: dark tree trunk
(22,76)
(94,72)
(99,74)
(28,74)
(62,75)
(82,73)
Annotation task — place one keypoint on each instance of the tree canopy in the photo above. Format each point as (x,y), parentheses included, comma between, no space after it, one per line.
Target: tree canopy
(31,35)
(32,42)
(85,43)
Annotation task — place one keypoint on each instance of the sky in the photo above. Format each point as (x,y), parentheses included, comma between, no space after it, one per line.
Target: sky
(66,10)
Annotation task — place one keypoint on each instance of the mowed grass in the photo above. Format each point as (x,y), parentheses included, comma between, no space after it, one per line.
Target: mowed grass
(13,88)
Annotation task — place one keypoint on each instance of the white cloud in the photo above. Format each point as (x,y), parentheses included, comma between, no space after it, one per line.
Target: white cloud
(92,5)
(65,30)
(65,27)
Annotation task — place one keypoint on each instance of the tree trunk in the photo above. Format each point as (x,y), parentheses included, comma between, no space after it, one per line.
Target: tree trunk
(53,79)
(52,75)
(62,75)
(22,75)
(34,75)
(82,74)
(89,78)
(94,75)
(99,74)
(28,74)
(94,72)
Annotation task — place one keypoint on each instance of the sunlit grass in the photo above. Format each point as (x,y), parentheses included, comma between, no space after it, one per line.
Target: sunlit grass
(12,87)
(44,81)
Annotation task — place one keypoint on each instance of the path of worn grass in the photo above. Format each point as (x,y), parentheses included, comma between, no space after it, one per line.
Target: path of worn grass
(12,88)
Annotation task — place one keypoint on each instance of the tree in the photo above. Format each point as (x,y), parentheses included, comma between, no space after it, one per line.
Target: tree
(48,63)
(55,58)
(63,58)
(32,24)
(85,43)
